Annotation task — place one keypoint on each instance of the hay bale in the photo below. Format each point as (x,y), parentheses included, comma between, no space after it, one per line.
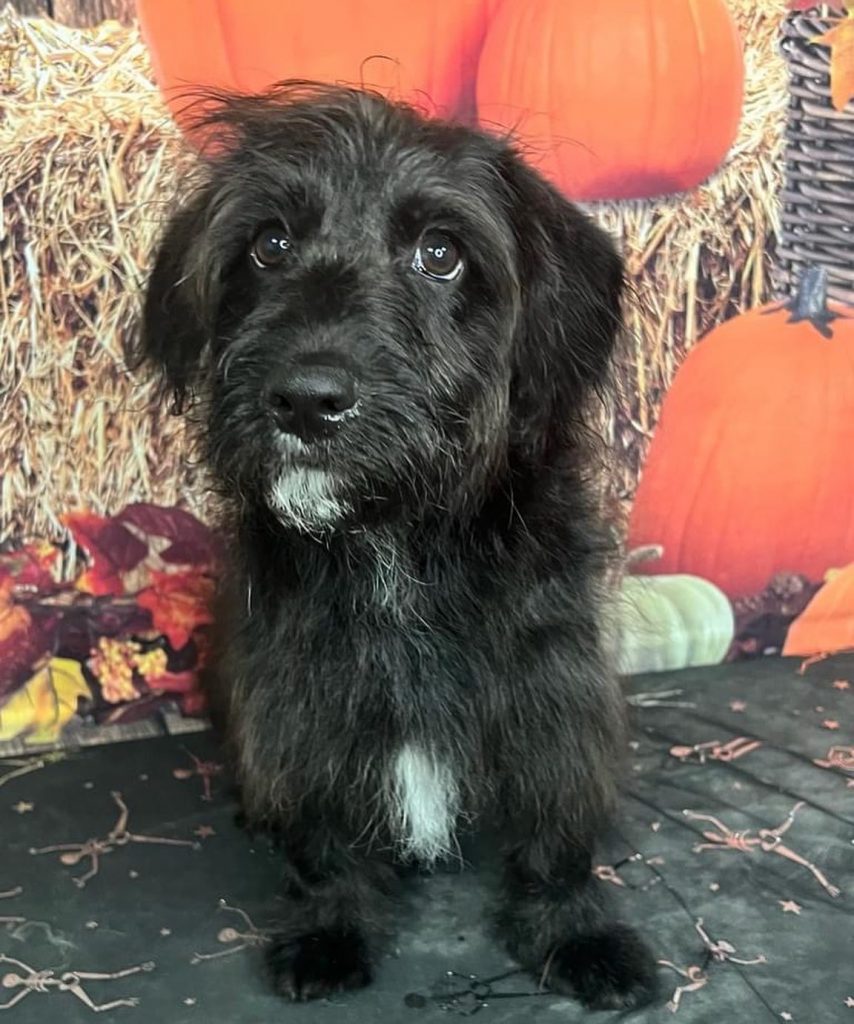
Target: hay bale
(89,157)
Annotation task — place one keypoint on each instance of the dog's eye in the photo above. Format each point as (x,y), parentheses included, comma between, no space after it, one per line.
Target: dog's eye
(438,256)
(270,247)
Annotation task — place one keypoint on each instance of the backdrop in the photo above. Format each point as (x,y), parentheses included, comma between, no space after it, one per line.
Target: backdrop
(713,138)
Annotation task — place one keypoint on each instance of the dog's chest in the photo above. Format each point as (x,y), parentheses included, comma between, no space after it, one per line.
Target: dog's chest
(425,801)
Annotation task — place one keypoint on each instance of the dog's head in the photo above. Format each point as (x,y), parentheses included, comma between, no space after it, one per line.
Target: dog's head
(373,313)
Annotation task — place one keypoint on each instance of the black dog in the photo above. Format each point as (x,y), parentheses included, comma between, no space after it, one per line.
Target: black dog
(388,330)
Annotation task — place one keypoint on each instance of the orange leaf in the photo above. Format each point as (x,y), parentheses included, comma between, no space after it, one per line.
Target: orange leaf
(178,602)
(13,618)
(827,622)
(840,39)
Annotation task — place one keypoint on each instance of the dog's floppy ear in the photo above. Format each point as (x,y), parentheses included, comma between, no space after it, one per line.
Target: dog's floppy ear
(571,280)
(173,334)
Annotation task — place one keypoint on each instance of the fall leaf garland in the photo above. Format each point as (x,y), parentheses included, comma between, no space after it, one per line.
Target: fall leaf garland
(125,634)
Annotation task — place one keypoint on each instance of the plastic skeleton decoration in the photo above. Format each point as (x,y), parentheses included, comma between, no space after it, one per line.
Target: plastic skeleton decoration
(695,976)
(253,936)
(204,769)
(714,750)
(32,980)
(766,840)
(72,854)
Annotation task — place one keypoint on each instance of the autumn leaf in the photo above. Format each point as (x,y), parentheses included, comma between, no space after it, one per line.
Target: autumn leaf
(178,602)
(21,640)
(79,623)
(112,550)
(45,703)
(14,618)
(840,39)
(189,541)
(32,567)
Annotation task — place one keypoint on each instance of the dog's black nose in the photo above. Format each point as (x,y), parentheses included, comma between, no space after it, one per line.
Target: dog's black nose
(311,400)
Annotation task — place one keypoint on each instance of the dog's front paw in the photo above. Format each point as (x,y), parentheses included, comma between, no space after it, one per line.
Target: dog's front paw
(608,970)
(316,965)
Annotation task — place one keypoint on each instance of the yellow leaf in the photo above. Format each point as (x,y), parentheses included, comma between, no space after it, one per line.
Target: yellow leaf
(45,703)
(840,39)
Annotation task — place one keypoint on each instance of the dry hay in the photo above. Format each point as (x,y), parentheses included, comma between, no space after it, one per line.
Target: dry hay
(88,157)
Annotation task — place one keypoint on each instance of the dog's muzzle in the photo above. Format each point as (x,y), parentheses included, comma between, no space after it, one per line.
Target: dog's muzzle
(312,402)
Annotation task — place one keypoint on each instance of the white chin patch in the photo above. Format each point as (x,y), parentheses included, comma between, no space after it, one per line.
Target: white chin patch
(305,499)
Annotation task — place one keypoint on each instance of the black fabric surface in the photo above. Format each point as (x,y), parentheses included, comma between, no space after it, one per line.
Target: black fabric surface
(774,942)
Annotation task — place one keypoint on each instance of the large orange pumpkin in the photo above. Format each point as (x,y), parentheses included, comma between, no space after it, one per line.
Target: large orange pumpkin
(421,52)
(751,469)
(616,99)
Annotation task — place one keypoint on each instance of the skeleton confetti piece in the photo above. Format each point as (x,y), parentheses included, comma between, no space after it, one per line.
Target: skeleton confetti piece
(72,854)
(696,976)
(814,659)
(205,770)
(766,840)
(32,980)
(236,940)
(24,766)
(715,750)
(837,757)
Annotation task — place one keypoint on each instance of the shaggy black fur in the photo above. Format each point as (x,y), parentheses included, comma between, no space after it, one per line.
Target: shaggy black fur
(426,568)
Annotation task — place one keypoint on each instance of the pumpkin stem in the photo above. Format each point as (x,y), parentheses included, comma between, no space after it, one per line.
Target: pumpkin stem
(810,301)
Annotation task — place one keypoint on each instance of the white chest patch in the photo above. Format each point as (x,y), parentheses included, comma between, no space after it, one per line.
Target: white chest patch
(425,803)
(305,498)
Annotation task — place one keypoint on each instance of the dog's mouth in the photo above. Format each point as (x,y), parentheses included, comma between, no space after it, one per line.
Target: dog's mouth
(294,452)
(304,492)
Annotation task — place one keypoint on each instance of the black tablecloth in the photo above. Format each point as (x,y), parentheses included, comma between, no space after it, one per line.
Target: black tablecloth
(736,834)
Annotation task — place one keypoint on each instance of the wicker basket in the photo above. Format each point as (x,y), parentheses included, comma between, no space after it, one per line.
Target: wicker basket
(818,194)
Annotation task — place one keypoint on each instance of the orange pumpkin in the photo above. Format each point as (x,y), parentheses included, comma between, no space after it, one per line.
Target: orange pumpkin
(426,53)
(827,622)
(619,99)
(751,469)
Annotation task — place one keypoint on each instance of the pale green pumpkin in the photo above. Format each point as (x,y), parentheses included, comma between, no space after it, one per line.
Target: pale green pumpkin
(670,622)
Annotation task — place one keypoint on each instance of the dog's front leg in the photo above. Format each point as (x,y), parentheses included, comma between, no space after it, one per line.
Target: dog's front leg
(338,904)
(557,922)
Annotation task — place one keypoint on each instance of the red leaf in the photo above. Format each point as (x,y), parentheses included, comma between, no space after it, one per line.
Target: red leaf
(193,543)
(179,603)
(111,548)
(32,567)
(175,682)
(22,641)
